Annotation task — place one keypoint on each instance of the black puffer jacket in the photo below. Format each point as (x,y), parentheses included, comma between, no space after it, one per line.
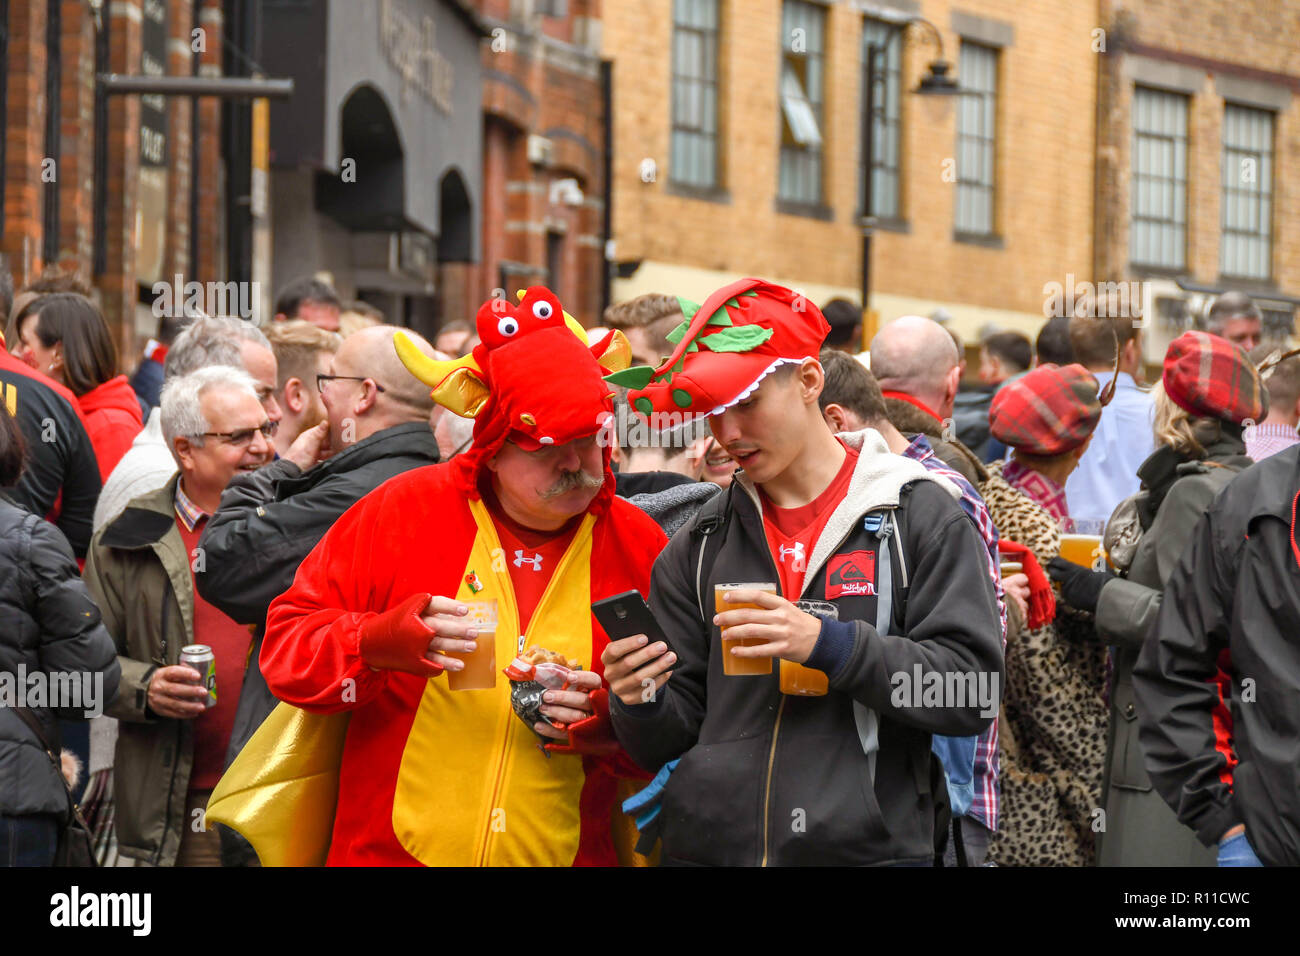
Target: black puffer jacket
(48,626)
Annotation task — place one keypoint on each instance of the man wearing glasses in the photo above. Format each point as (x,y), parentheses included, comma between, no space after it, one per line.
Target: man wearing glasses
(376,427)
(141,571)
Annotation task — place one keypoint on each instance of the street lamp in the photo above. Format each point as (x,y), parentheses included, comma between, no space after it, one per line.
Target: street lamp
(936,82)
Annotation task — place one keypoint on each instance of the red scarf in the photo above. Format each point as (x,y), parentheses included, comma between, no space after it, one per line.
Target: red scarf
(911,400)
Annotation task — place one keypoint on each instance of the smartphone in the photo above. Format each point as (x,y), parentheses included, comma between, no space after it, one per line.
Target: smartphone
(626,614)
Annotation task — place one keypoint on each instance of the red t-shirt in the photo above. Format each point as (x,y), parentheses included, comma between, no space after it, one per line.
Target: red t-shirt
(792,532)
(230,643)
(531,556)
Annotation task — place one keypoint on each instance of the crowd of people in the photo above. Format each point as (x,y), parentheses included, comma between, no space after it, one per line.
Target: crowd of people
(894,614)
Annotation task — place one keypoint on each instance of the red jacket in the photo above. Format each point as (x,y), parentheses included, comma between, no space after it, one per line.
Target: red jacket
(112,414)
(429,775)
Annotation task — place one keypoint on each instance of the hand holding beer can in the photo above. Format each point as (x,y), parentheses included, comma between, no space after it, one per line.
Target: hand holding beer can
(200,658)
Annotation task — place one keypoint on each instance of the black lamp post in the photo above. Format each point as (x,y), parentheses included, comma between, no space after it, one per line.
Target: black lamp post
(936,82)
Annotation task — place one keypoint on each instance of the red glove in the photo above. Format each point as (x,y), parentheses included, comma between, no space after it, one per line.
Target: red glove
(398,640)
(592,735)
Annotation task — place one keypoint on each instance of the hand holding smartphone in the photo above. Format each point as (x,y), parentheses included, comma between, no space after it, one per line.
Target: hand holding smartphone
(635,672)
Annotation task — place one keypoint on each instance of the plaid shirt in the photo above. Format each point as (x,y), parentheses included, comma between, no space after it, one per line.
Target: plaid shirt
(189,513)
(984,807)
(1269,439)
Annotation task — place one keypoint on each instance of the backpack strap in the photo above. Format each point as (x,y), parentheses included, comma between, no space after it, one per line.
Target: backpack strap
(713,518)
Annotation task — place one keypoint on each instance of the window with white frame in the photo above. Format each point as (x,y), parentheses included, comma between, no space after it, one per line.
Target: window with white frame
(1158,180)
(977,112)
(1246,206)
(886,117)
(803,27)
(694,160)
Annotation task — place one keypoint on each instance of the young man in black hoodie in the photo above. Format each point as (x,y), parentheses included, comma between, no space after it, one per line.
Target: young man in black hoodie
(840,772)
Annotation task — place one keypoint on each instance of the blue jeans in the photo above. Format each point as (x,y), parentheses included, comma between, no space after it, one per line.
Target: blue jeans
(1237,851)
(28,840)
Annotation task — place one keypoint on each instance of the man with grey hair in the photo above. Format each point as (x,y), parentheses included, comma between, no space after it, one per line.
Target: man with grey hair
(141,571)
(206,342)
(1236,318)
(915,361)
(377,427)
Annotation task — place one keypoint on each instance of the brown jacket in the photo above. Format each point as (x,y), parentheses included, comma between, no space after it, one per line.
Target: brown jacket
(138,572)
(910,420)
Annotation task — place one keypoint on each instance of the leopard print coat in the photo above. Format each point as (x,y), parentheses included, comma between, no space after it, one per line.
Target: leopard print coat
(1052,726)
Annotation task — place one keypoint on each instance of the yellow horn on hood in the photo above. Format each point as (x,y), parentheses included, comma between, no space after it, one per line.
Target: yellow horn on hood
(455,385)
(574,325)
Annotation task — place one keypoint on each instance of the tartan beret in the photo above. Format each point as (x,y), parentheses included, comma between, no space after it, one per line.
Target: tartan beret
(1209,377)
(1048,411)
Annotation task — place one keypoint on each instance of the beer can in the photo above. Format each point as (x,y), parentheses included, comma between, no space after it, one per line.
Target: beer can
(201,658)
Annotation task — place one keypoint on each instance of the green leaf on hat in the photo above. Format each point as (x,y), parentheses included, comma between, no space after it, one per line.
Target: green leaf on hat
(676,334)
(734,303)
(638,376)
(743,338)
(720,317)
(682,398)
(750,292)
(689,308)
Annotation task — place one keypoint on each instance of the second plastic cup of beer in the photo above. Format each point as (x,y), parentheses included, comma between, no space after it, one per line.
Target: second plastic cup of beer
(732,665)
(480,672)
(801,681)
(1084,550)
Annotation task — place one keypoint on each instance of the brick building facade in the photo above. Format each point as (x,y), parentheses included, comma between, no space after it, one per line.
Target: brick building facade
(543,153)
(1199,137)
(72,178)
(982,201)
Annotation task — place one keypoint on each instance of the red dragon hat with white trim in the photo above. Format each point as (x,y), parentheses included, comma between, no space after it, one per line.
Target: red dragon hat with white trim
(725,348)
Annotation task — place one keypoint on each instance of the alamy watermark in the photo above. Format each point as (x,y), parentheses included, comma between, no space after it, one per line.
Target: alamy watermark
(65,690)
(181,299)
(1093,300)
(920,688)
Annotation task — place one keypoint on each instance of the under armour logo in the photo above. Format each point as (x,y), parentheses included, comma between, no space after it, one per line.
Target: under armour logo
(796,552)
(535,560)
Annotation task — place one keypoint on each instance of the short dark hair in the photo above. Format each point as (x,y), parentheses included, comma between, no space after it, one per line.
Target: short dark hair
(1095,339)
(1231,305)
(1053,345)
(1012,348)
(13,448)
(307,289)
(851,385)
(656,313)
(89,355)
(843,317)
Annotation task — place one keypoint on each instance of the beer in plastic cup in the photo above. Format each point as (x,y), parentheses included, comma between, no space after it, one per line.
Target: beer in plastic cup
(732,665)
(480,672)
(1011,567)
(801,681)
(1084,550)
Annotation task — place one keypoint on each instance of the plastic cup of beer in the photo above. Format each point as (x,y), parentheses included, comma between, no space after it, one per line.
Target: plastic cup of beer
(732,665)
(1084,550)
(800,681)
(1009,568)
(480,672)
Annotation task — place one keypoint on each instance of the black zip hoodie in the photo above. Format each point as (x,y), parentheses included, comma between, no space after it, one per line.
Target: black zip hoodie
(769,779)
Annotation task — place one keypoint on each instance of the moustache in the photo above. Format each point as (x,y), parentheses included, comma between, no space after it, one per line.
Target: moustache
(572,480)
